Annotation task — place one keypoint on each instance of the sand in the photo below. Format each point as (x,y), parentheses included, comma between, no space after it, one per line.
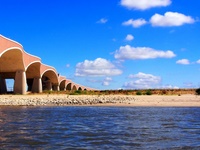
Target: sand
(101,100)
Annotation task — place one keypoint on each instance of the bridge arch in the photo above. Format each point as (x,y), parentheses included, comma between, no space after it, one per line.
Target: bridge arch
(80,89)
(33,69)
(69,86)
(49,80)
(11,60)
(74,88)
(12,67)
(33,77)
(27,69)
(62,85)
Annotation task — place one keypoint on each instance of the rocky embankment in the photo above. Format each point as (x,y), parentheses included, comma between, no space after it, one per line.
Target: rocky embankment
(62,100)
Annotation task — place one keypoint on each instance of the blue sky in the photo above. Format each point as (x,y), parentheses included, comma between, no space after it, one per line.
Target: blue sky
(110,44)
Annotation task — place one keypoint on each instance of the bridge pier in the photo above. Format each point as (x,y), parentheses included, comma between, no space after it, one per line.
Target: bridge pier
(3,88)
(56,87)
(37,85)
(20,82)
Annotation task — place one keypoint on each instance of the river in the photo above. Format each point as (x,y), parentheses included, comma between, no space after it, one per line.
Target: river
(99,128)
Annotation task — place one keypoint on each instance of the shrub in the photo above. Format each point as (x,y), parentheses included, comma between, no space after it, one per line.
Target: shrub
(77,92)
(198,91)
(148,92)
(163,92)
(138,93)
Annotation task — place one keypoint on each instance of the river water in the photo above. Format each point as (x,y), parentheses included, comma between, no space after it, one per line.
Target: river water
(99,128)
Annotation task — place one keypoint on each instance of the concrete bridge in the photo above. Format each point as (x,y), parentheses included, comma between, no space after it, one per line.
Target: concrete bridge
(28,72)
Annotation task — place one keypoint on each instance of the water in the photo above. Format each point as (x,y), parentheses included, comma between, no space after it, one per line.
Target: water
(99,128)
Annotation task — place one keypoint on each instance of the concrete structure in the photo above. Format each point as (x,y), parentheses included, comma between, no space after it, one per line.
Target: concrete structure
(28,72)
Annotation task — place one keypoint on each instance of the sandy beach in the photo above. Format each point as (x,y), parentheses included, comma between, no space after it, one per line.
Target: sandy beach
(101,100)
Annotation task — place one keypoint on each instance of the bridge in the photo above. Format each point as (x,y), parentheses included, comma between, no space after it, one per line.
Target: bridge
(28,72)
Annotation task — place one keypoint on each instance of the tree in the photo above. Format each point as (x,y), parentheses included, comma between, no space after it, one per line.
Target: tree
(148,92)
(198,91)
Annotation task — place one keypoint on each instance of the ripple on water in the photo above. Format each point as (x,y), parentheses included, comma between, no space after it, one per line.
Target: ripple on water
(99,128)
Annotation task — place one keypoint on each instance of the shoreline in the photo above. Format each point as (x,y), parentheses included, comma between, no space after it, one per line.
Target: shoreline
(187,100)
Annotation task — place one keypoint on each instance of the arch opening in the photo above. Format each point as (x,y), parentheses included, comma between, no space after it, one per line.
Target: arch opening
(69,86)
(10,85)
(62,85)
(11,61)
(50,81)
(32,73)
(74,88)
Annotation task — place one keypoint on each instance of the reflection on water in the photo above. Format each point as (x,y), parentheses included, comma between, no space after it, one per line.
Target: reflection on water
(99,128)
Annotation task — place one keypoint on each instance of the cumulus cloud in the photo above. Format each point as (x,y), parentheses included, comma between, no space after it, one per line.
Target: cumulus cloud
(169,87)
(102,20)
(144,4)
(106,81)
(171,19)
(198,61)
(128,52)
(142,81)
(98,67)
(129,37)
(135,23)
(183,62)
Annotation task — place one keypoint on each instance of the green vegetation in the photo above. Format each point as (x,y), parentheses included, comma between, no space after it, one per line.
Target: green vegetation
(127,92)
(197,91)
(148,92)
(138,93)
(77,92)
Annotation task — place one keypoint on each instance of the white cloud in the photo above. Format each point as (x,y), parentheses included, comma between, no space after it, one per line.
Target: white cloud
(198,61)
(67,65)
(107,81)
(169,87)
(128,52)
(171,19)
(93,80)
(189,85)
(129,37)
(98,67)
(102,20)
(144,4)
(135,23)
(142,81)
(183,62)
(114,39)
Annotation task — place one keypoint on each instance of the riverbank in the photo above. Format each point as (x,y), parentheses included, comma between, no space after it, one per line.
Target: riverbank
(188,100)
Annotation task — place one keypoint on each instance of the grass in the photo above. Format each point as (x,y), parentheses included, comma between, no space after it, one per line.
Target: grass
(127,92)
